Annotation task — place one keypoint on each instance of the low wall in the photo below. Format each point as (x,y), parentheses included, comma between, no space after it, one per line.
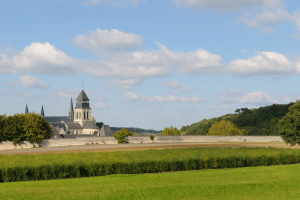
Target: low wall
(56,142)
(201,138)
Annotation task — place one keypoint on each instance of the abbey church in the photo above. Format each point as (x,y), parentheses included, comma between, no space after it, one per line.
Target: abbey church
(80,121)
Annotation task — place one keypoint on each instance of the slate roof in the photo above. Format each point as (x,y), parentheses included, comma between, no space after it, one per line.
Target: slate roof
(108,131)
(90,124)
(59,125)
(82,96)
(73,125)
(52,119)
(71,110)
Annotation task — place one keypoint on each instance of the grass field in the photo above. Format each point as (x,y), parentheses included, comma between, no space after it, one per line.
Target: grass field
(267,182)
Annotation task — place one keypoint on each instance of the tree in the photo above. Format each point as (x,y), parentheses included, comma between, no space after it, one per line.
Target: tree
(225,127)
(171,131)
(121,134)
(289,125)
(19,127)
(36,128)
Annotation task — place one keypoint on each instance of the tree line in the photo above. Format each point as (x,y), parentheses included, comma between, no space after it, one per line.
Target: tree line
(256,121)
(24,127)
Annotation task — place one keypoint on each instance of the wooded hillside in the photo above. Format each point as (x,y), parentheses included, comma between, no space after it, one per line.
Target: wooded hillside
(257,121)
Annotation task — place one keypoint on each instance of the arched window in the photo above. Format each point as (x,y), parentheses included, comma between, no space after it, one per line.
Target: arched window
(87,114)
(83,114)
(79,115)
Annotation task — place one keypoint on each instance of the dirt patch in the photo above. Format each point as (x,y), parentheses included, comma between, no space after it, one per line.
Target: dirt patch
(101,148)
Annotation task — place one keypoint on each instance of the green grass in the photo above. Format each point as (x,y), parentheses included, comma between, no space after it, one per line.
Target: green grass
(271,182)
(74,165)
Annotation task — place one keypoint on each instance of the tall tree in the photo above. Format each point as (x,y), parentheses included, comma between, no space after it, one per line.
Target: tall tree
(289,125)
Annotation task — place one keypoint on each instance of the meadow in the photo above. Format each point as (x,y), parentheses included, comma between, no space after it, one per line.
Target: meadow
(265,182)
(22,167)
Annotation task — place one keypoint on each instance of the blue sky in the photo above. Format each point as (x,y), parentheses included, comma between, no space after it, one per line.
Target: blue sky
(149,64)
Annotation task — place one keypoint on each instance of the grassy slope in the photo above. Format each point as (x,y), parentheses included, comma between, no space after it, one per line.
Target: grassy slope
(273,182)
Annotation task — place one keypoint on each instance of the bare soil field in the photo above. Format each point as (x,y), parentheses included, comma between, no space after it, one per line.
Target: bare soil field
(134,147)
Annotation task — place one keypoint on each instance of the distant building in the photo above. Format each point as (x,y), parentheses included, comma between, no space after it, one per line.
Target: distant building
(80,121)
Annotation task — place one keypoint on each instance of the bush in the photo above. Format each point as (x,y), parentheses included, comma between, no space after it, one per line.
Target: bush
(151,137)
(121,134)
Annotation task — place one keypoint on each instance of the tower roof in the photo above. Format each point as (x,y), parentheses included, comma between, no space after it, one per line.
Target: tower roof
(26,109)
(71,111)
(82,96)
(42,111)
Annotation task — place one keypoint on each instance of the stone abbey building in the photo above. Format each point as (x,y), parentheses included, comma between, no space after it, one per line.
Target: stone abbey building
(79,122)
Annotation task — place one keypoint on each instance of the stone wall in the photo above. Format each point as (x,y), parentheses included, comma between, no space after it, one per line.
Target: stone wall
(56,142)
(201,138)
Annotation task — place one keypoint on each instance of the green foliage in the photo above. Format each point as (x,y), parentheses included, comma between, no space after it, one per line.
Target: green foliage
(170,131)
(151,137)
(225,127)
(22,167)
(20,127)
(260,121)
(289,125)
(121,134)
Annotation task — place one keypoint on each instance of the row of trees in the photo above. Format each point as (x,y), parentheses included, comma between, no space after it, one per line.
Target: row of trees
(24,127)
(260,121)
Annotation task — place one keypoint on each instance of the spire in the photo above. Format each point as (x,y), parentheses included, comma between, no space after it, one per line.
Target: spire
(71,111)
(42,112)
(26,109)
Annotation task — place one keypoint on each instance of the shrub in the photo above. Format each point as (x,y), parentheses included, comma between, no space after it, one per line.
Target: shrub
(151,137)
(121,134)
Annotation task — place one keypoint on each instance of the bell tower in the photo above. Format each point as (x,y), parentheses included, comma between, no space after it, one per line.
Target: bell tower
(82,111)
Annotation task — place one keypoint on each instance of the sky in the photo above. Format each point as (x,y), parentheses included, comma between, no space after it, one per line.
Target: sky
(148,63)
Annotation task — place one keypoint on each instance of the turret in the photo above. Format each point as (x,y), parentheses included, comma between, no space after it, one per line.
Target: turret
(42,112)
(26,109)
(71,110)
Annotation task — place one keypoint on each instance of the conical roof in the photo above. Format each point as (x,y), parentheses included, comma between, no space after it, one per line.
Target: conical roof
(42,111)
(82,96)
(26,109)
(71,111)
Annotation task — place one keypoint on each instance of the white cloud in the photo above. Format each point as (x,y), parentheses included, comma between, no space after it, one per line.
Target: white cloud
(179,86)
(257,98)
(105,41)
(132,67)
(100,105)
(32,82)
(261,14)
(113,3)
(171,98)
(235,96)
(124,84)
(270,64)
(130,96)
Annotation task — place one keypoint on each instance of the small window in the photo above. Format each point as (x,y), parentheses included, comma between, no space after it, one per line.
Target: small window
(87,114)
